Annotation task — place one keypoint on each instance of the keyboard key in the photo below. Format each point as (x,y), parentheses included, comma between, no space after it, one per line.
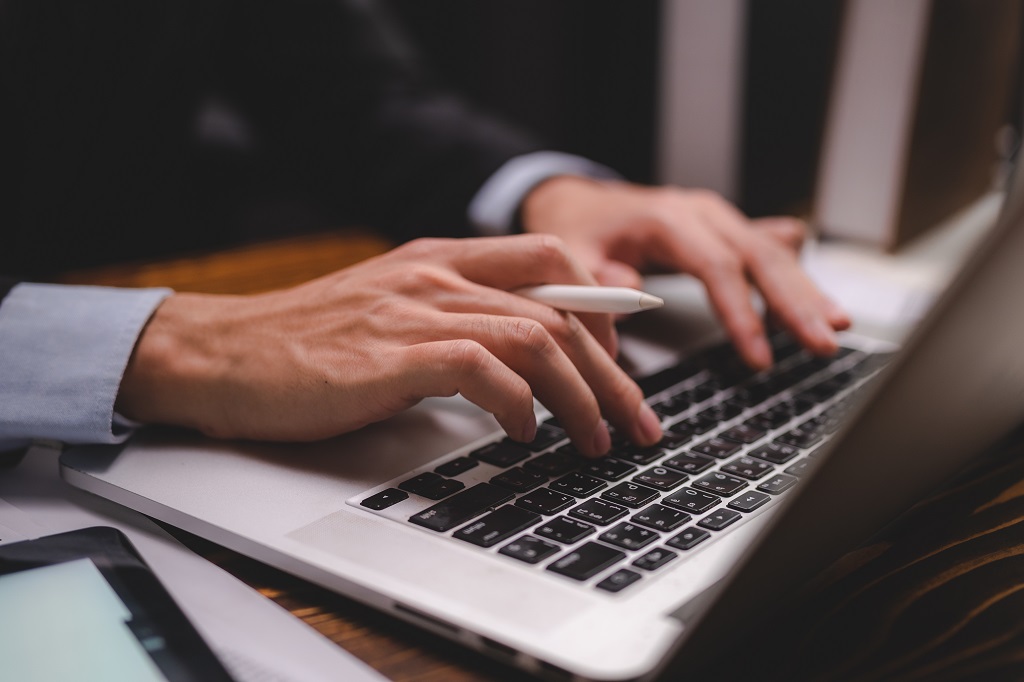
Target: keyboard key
(565,530)
(628,536)
(743,433)
(504,453)
(529,549)
(577,484)
(638,455)
(656,383)
(676,436)
(749,501)
(779,483)
(599,511)
(692,501)
(717,520)
(545,501)
(689,463)
(556,463)
(720,484)
(776,453)
(716,447)
(752,395)
(723,411)
(519,480)
(661,478)
(773,417)
(798,468)
(461,507)
(655,559)
(689,538)
(384,499)
(803,436)
(456,466)
(547,435)
(702,392)
(586,561)
(619,580)
(748,468)
(630,494)
(700,423)
(673,405)
(430,485)
(609,469)
(498,526)
(660,517)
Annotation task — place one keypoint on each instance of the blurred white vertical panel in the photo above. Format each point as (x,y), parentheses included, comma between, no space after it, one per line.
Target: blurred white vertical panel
(867,134)
(701,94)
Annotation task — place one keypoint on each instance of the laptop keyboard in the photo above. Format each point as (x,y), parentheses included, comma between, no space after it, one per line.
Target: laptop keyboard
(735,442)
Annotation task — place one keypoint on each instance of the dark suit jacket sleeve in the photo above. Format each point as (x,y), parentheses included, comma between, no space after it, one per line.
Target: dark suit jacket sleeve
(6,284)
(335,88)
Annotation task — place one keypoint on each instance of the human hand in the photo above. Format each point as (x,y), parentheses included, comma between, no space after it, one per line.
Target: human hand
(618,230)
(430,318)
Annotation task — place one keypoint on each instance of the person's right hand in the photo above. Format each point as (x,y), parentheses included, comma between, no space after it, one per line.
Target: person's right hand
(431,318)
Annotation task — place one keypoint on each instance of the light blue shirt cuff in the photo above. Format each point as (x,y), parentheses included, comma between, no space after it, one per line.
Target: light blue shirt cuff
(63,351)
(493,208)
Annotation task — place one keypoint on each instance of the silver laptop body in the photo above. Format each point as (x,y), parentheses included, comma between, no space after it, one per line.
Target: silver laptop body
(956,387)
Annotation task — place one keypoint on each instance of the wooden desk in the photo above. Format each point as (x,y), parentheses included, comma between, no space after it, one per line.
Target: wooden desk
(939,596)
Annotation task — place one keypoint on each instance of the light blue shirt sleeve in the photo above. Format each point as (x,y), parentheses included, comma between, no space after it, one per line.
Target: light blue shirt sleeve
(493,208)
(63,351)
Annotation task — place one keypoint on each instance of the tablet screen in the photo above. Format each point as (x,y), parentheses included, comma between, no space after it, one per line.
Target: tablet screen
(84,606)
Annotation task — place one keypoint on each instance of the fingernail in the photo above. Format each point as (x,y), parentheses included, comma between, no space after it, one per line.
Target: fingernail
(761,352)
(529,431)
(836,314)
(650,424)
(825,335)
(602,439)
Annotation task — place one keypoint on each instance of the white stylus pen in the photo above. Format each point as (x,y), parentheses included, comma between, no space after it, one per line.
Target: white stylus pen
(591,299)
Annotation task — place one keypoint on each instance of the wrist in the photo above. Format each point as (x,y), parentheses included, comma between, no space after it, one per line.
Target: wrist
(548,202)
(171,363)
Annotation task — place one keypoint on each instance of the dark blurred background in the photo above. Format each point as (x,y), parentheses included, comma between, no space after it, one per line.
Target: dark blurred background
(585,75)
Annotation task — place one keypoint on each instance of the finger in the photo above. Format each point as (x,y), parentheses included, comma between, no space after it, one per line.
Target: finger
(487,300)
(704,254)
(787,290)
(793,299)
(613,273)
(444,368)
(517,261)
(568,371)
(791,232)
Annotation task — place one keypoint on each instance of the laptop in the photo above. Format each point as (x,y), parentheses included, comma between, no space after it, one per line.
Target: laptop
(624,568)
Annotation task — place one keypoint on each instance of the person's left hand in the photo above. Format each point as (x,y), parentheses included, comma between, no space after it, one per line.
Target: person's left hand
(619,230)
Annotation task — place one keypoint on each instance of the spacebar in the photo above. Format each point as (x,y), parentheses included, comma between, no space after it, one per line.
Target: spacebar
(461,507)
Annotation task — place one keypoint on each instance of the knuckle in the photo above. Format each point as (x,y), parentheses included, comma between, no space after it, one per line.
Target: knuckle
(421,276)
(529,335)
(467,357)
(549,250)
(521,396)
(768,254)
(796,229)
(570,329)
(707,197)
(424,247)
(719,265)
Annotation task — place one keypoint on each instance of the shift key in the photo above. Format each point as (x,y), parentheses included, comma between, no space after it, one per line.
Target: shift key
(461,507)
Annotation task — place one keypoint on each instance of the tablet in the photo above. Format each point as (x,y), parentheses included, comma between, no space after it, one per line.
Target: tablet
(83,605)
